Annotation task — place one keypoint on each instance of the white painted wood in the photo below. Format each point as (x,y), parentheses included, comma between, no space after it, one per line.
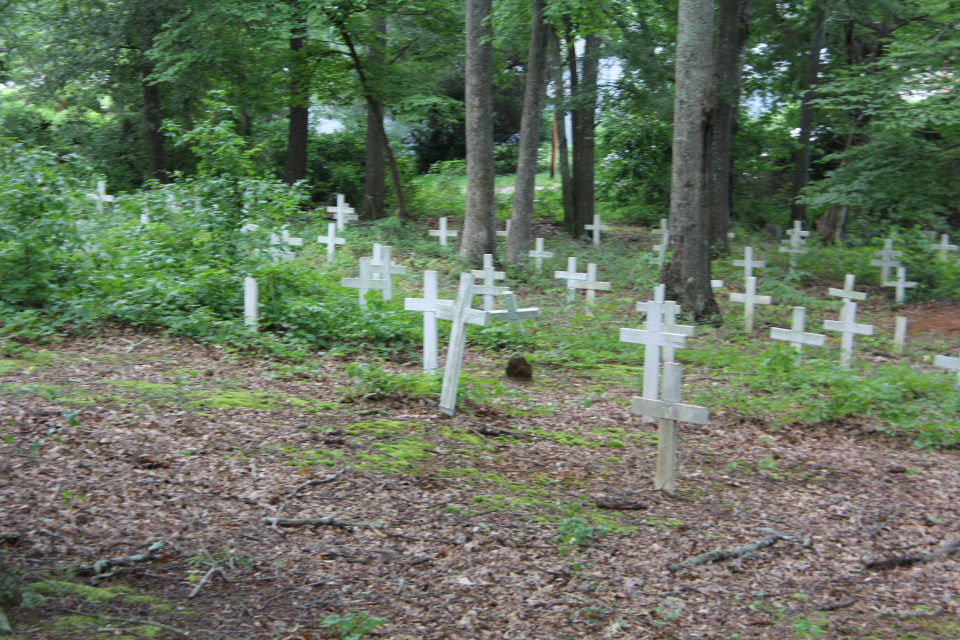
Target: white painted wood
(590,283)
(949,362)
(749,300)
(796,336)
(848,327)
(886,260)
(344,212)
(377,261)
(748,263)
(101,195)
(513,314)
(488,289)
(670,410)
(596,228)
(670,310)
(506,233)
(331,239)
(460,314)
(251,303)
(571,276)
(366,282)
(662,229)
(847,293)
(653,337)
(900,334)
(943,247)
(659,295)
(539,254)
(661,249)
(427,305)
(731,235)
(716,284)
(144,217)
(443,233)
(901,284)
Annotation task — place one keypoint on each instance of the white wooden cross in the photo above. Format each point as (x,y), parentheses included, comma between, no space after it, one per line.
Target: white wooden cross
(661,249)
(847,293)
(591,284)
(652,337)
(144,217)
(795,243)
(488,289)
(570,275)
(944,246)
(427,305)
(886,260)
(504,234)
(460,314)
(251,303)
(900,334)
(662,230)
(101,195)
(331,239)
(442,232)
(901,284)
(513,314)
(669,411)
(748,263)
(384,252)
(366,282)
(596,228)
(749,299)
(796,336)
(848,326)
(281,240)
(716,284)
(670,312)
(344,212)
(539,254)
(948,362)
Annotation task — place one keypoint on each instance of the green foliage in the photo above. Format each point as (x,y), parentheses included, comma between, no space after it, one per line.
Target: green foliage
(352,626)
(575,532)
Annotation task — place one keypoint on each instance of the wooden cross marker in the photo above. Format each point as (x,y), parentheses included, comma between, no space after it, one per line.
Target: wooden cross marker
(283,241)
(796,242)
(344,212)
(748,263)
(460,314)
(427,305)
(504,234)
(670,310)
(949,362)
(796,336)
(366,282)
(251,303)
(570,275)
(943,247)
(847,293)
(661,249)
(539,254)
(144,217)
(101,195)
(381,252)
(662,230)
(716,284)
(669,411)
(331,239)
(886,260)
(848,327)
(442,232)
(900,334)
(901,284)
(488,289)
(513,314)
(596,228)
(591,284)
(652,337)
(749,299)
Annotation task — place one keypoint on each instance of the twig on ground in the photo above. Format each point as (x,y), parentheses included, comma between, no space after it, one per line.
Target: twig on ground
(132,345)
(947,548)
(203,581)
(727,554)
(331,521)
(97,568)
(128,621)
(838,605)
(308,483)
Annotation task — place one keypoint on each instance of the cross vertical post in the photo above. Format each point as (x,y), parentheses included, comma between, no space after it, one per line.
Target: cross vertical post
(848,327)
(596,228)
(900,334)
(570,275)
(749,299)
(901,284)
(428,306)
(948,362)
(748,263)
(539,254)
(442,232)
(331,239)
(251,303)
(460,314)
(886,260)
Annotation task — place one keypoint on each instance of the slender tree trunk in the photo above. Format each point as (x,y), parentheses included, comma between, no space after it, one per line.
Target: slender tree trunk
(584,143)
(560,116)
(687,274)
(801,165)
(374,185)
(733,31)
(479,225)
(152,106)
(531,123)
(298,131)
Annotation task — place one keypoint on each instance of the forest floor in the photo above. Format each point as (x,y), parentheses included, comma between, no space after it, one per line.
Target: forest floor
(449,529)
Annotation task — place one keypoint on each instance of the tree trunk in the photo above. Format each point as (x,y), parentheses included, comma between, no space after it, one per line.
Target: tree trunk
(152,107)
(687,274)
(374,185)
(298,130)
(479,225)
(560,115)
(584,125)
(801,164)
(733,31)
(531,123)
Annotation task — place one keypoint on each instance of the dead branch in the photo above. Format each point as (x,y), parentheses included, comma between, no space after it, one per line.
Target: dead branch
(727,554)
(308,483)
(330,521)
(97,568)
(206,577)
(128,621)
(621,505)
(838,605)
(947,548)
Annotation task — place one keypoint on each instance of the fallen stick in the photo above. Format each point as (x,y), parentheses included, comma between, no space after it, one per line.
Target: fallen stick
(330,521)
(947,548)
(838,605)
(128,621)
(97,568)
(308,483)
(727,554)
(203,581)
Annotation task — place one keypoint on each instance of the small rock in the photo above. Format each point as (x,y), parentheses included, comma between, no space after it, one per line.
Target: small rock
(519,369)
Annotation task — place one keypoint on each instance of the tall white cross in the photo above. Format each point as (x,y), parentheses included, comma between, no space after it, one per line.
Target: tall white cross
(848,327)
(748,263)
(442,232)
(847,293)
(944,246)
(427,305)
(670,312)
(460,315)
(901,284)
(949,362)
(506,233)
(596,228)
(571,276)
(749,299)
(251,303)
(488,289)
(886,255)
(539,254)
(331,239)
(652,337)
(383,253)
(344,212)
(514,315)
(101,195)
(795,243)
(900,334)
(366,282)
(591,284)
(796,336)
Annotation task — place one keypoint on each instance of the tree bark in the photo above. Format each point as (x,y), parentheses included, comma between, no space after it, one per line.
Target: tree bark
(479,225)
(152,105)
(733,32)
(687,274)
(801,164)
(374,185)
(531,123)
(298,130)
(560,115)
(584,126)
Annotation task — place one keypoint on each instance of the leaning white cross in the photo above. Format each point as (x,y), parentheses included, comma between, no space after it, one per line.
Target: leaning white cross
(442,232)
(949,362)
(504,234)
(596,228)
(944,246)
(670,312)
(669,412)
(886,255)
(847,293)
(571,276)
(366,282)
(344,212)
(749,299)
(539,254)
(513,314)
(331,239)
(460,314)
(796,336)
(901,284)
(251,303)
(848,326)
(488,289)
(748,263)
(652,337)
(427,305)
(795,243)
(383,253)
(591,284)
(101,195)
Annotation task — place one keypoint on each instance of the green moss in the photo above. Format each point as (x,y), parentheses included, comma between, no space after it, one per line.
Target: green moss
(382,427)
(146,631)
(141,599)
(7,365)
(461,435)
(406,449)
(239,400)
(69,623)
(86,592)
(614,444)
(138,385)
(160,608)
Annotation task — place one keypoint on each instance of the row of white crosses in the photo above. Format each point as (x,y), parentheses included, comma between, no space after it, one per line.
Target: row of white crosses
(661,248)
(538,253)
(577,280)
(376,274)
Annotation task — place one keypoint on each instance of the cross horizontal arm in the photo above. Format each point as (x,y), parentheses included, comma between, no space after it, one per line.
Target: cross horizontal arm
(812,339)
(591,284)
(423,304)
(653,338)
(846,293)
(670,410)
(472,316)
(742,297)
(361,283)
(528,312)
(848,327)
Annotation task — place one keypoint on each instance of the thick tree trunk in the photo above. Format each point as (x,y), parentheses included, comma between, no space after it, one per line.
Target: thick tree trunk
(584,125)
(374,185)
(801,164)
(733,31)
(687,274)
(479,225)
(563,149)
(531,123)
(152,107)
(298,130)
